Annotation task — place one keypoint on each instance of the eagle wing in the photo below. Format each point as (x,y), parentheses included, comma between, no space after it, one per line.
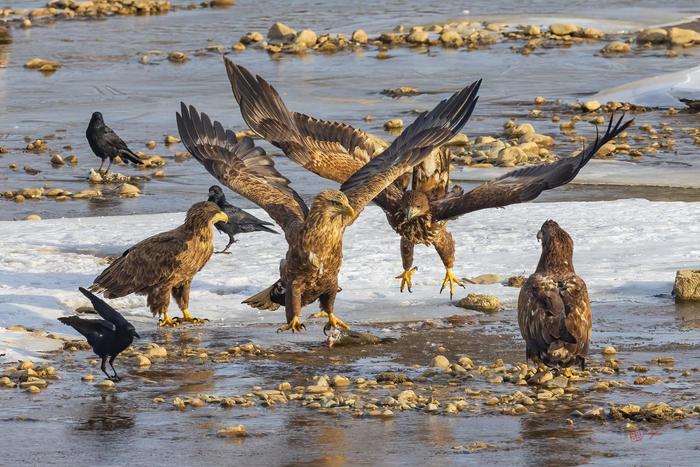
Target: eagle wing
(145,265)
(242,167)
(105,310)
(432,176)
(429,131)
(524,184)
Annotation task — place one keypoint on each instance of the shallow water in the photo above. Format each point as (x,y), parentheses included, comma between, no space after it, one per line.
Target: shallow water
(101,72)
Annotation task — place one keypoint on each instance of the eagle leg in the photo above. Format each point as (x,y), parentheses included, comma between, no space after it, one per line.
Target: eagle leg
(295,325)
(334,323)
(406,279)
(451,280)
(167,321)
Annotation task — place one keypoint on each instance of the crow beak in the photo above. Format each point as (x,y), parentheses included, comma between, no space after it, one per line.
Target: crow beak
(539,236)
(219,217)
(136,335)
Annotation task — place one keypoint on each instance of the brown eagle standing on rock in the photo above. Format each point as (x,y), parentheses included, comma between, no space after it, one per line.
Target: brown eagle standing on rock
(165,264)
(313,260)
(554,312)
(336,151)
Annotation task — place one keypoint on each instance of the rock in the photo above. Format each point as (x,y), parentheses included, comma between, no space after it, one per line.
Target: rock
(406,396)
(591,106)
(560,381)
(359,36)
(156,351)
(417,36)
(128,191)
(25,365)
(281,32)
(87,194)
(516,281)
(307,38)
(238,47)
(597,413)
(57,160)
(178,57)
(451,38)
(653,36)
(105,384)
(170,139)
(32,193)
(179,403)
(33,217)
(87,378)
(251,37)
(440,361)
(679,36)
(459,140)
(480,302)
(687,285)
(540,378)
(485,279)
(159,173)
(592,33)
(222,3)
(236,431)
(466,362)
(142,360)
(539,100)
(40,64)
(393,124)
(392,377)
(616,47)
(340,381)
(563,29)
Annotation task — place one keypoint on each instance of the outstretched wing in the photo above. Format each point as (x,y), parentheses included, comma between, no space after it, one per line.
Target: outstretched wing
(241,166)
(525,184)
(429,131)
(330,149)
(88,327)
(104,310)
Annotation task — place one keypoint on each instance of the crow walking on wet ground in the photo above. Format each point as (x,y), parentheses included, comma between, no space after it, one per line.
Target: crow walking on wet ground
(239,221)
(108,336)
(106,144)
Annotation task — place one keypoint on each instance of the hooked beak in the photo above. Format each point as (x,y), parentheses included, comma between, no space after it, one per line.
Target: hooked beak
(348,211)
(539,236)
(219,217)
(411,212)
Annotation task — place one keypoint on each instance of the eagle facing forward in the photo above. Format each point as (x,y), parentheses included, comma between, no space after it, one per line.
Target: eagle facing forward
(554,312)
(417,205)
(165,264)
(314,235)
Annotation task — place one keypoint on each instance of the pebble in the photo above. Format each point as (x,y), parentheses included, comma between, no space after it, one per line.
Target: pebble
(170,139)
(440,361)
(155,350)
(179,403)
(105,384)
(33,217)
(282,32)
(236,431)
(57,160)
(142,361)
(87,378)
(480,302)
(46,66)
(609,350)
(178,57)
(616,47)
(339,381)
(393,124)
(466,362)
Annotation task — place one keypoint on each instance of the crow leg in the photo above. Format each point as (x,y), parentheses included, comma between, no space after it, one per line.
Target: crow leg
(104,370)
(109,165)
(231,241)
(111,361)
(101,165)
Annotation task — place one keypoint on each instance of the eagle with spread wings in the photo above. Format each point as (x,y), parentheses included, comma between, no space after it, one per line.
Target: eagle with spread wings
(420,214)
(314,234)
(554,311)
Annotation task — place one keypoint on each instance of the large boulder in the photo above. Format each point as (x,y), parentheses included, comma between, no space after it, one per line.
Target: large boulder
(281,32)
(653,35)
(680,36)
(687,286)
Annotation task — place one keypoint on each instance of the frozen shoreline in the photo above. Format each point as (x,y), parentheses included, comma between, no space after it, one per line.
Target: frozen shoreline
(627,251)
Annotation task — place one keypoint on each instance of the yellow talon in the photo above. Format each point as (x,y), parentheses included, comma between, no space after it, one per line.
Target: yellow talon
(167,321)
(334,322)
(295,325)
(188,318)
(452,280)
(406,279)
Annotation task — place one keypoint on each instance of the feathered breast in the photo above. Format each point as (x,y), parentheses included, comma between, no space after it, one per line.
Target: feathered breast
(419,230)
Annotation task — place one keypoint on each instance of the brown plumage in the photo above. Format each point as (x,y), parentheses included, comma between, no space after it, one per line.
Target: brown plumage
(165,264)
(310,268)
(336,151)
(554,312)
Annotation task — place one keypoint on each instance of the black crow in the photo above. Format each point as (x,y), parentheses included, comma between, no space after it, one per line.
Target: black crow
(106,144)
(109,336)
(239,221)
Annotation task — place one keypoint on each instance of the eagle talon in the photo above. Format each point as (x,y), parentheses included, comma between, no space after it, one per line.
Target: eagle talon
(167,321)
(451,280)
(295,325)
(406,279)
(334,323)
(188,318)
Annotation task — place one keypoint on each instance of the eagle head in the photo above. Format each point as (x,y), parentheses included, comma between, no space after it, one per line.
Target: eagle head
(557,248)
(204,214)
(415,204)
(334,203)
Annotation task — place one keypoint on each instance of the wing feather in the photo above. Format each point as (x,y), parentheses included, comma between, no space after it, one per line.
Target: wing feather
(105,310)
(429,131)
(525,184)
(242,167)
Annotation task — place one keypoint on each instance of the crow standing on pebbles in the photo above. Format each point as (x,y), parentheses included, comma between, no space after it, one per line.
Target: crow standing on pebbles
(239,221)
(109,336)
(106,144)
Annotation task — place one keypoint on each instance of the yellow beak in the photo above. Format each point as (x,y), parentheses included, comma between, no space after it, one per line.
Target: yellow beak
(219,217)
(349,211)
(411,213)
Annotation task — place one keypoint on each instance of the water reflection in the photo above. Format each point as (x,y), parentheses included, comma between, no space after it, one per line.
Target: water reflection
(689,314)
(549,440)
(108,413)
